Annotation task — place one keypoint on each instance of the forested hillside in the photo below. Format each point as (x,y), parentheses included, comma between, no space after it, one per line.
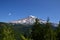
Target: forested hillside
(37,31)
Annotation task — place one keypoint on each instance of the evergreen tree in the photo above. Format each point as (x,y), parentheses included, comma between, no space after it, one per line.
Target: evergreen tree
(7,33)
(58,31)
(49,33)
(37,31)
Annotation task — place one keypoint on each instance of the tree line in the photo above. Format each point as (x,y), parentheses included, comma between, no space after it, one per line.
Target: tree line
(39,31)
(45,31)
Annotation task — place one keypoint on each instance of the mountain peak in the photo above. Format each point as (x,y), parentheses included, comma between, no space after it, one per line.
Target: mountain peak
(28,20)
(32,16)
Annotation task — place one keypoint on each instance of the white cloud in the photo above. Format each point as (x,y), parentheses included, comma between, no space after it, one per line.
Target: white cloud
(9,14)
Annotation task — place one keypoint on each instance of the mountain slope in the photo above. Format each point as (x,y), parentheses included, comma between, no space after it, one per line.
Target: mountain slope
(29,20)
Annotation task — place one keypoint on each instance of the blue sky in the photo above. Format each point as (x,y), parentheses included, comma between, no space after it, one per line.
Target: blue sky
(17,9)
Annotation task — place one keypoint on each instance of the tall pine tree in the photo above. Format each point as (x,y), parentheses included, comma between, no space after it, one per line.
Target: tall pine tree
(49,33)
(58,31)
(37,31)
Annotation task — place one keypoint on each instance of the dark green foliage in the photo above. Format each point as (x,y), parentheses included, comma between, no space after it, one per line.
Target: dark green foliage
(49,32)
(6,32)
(43,31)
(37,31)
(58,31)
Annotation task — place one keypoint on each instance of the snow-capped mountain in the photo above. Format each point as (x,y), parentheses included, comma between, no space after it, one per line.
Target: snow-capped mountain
(28,20)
